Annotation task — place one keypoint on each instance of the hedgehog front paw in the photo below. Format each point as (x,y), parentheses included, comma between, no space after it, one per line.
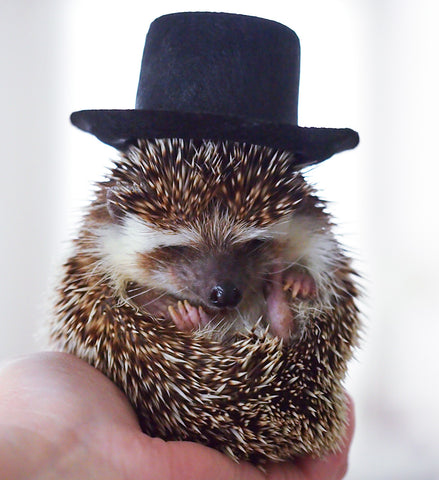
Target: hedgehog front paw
(187,317)
(300,283)
(280,314)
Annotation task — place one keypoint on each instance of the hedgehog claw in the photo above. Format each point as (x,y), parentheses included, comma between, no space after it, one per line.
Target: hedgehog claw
(187,317)
(301,284)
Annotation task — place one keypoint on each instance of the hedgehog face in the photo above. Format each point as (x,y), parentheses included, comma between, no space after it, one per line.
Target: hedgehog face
(210,225)
(216,263)
(215,276)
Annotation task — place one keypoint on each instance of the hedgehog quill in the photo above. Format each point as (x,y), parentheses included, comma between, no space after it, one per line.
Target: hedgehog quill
(206,281)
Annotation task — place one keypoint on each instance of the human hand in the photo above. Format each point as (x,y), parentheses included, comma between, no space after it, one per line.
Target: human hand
(61,418)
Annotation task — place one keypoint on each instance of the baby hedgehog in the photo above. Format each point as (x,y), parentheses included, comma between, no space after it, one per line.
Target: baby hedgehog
(206,282)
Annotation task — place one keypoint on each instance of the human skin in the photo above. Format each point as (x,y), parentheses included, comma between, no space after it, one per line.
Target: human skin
(61,418)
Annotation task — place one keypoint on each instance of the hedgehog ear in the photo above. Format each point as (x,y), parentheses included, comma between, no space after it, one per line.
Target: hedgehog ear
(113,205)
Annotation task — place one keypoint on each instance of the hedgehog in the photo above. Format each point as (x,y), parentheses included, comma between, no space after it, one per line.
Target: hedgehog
(207,283)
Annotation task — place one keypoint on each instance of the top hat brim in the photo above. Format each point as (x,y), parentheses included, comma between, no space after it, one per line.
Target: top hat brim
(122,128)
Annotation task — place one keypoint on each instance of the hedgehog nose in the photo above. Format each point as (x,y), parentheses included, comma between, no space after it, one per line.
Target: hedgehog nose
(225,294)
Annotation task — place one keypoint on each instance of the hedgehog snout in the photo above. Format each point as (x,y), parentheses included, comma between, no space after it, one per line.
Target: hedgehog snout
(220,280)
(225,294)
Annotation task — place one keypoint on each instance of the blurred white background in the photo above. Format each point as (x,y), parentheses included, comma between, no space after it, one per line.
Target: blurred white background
(371,65)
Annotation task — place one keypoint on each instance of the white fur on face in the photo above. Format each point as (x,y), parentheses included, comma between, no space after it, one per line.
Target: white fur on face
(121,244)
(305,243)
(312,245)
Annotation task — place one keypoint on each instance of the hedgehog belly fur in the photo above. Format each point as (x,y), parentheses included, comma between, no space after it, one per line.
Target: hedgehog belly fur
(172,217)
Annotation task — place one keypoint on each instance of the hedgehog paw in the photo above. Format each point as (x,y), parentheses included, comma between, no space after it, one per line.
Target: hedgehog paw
(187,317)
(300,283)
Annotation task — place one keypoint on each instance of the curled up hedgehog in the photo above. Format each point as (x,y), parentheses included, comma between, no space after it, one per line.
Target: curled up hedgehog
(206,281)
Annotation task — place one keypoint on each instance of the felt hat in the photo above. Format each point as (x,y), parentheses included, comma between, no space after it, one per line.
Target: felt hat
(218,76)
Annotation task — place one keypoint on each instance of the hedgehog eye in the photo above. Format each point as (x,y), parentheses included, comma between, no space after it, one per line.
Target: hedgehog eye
(180,250)
(254,244)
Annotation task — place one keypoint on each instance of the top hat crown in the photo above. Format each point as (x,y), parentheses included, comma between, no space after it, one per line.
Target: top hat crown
(218,76)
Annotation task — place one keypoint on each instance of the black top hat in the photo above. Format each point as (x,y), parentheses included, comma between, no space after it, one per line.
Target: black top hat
(218,76)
